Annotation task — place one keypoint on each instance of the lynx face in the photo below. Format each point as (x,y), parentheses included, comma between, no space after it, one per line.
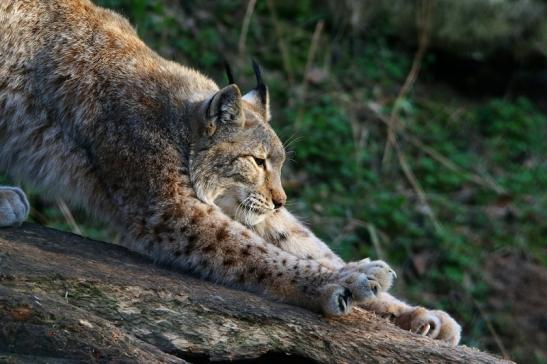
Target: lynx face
(237,158)
(254,190)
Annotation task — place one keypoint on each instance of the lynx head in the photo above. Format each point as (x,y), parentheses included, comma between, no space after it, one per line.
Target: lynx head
(236,156)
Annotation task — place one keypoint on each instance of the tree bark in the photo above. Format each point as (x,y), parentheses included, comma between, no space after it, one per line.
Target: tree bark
(67,299)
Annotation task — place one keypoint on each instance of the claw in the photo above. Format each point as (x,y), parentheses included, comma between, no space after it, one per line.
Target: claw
(344,300)
(424,330)
(341,304)
(337,300)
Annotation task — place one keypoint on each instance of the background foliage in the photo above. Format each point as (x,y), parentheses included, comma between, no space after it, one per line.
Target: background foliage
(463,187)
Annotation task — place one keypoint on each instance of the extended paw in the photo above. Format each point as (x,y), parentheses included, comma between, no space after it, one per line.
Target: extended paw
(14,206)
(435,324)
(359,285)
(337,297)
(450,331)
(379,274)
(336,300)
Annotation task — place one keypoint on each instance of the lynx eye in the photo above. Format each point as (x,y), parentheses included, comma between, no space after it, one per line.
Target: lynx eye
(260,162)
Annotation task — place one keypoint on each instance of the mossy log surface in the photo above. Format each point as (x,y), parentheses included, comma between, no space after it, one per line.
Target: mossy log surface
(66,299)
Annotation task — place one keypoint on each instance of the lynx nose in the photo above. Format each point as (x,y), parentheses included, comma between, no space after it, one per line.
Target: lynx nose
(276,192)
(279,200)
(278,204)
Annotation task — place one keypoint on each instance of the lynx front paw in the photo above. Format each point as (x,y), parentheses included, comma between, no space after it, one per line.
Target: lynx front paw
(359,285)
(336,300)
(435,324)
(379,274)
(14,206)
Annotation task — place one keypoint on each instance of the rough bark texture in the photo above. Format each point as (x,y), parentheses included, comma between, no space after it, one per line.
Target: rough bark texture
(68,299)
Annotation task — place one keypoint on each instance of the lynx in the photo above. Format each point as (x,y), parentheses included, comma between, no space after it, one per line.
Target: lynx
(188,172)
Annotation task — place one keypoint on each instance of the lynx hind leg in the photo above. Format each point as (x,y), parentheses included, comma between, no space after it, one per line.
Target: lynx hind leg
(14,206)
(379,273)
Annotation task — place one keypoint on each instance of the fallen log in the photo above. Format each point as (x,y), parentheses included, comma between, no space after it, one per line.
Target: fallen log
(67,299)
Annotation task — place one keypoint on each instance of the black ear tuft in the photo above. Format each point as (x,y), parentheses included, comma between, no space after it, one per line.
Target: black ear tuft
(258,96)
(260,88)
(229,73)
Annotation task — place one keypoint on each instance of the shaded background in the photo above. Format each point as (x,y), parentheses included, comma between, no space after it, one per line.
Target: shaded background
(416,132)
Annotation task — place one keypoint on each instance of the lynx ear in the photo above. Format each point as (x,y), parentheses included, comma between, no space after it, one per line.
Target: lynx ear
(224,109)
(259,96)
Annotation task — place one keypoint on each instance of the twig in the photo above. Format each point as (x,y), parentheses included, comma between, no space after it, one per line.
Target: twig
(245,26)
(281,43)
(69,217)
(311,54)
(375,241)
(423,22)
(453,167)
(309,61)
(409,174)
(490,327)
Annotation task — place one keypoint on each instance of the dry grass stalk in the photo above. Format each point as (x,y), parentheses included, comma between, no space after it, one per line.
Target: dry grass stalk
(69,217)
(245,26)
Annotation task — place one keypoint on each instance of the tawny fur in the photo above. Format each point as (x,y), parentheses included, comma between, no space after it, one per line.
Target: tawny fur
(190,174)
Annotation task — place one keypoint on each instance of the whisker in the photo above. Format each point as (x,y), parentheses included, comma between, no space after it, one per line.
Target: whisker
(289,204)
(291,140)
(240,210)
